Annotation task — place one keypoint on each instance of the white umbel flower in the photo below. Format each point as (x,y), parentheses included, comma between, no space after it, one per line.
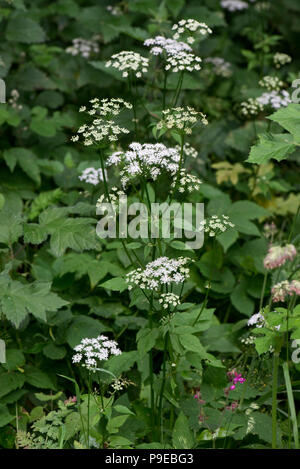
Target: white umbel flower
(234,5)
(162,271)
(257,320)
(103,127)
(190,30)
(271,83)
(92,175)
(186,182)
(216,225)
(275,99)
(281,59)
(83,47)
(148,160)
(169,300)
(219,66)
(181,119)
(129,62)
(183,61)
(160,44)
(92,351)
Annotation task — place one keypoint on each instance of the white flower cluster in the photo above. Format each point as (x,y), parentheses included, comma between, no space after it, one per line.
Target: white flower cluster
(102,127)
(271,83)
(169,299)
(248,340)
(92,175)
(234,5)
(162,271)
(186,182)
(257,320)
(189,29)
(275,99)
(148,160)
(92,351)
(113,198)
(114,10)
(160,45)
(83,47)
(251,107)
(281,59)
(183,61)
(181,119)
(129,61)
(216,225)
(106,107)
(188,150)
(13,100)
(220,66)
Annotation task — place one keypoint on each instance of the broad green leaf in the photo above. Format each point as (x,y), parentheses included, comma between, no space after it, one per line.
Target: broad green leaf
(21,28)
(275,146)
(289,118)
(182,436)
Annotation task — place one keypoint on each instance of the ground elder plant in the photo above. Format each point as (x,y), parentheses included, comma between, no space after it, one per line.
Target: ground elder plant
(149,236)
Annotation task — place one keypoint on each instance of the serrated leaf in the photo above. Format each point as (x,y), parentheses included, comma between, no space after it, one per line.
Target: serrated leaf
(20,299)
(277,147)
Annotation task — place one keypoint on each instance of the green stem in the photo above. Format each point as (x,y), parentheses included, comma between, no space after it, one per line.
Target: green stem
(162,386)
(202,307)
(263,291)
(274,399)
(88,416)
(178,89)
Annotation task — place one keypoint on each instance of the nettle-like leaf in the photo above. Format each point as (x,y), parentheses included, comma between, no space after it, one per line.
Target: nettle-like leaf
(278,146)
(74,233)
(83,264)
(289,118)
(26,159)
(20,299)
(21,28)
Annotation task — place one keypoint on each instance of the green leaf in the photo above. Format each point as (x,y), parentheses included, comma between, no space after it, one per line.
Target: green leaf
(10,381)
(182,436)
(20,28)
(277,147)
(289,118)
(54,351)
(26,159)
(146,339)
(74,233)
(38,378)
(20,299)
(115,284)
(240,300)
(5,416)
(248,210)
(82,327)
(14,359)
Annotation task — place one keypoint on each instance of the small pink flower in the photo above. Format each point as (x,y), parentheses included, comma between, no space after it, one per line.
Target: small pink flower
(277,256)
(281,290)
(295,287)
(235,378)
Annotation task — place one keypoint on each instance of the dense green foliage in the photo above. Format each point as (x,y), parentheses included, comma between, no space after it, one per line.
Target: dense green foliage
(60,283)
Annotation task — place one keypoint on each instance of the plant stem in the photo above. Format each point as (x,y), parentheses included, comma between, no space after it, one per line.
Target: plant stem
(88,413)
(263,291)
(162,386)
(274,399)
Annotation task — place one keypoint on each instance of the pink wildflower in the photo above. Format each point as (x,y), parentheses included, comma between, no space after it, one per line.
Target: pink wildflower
(281,290)
(277,256)
(235,378)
